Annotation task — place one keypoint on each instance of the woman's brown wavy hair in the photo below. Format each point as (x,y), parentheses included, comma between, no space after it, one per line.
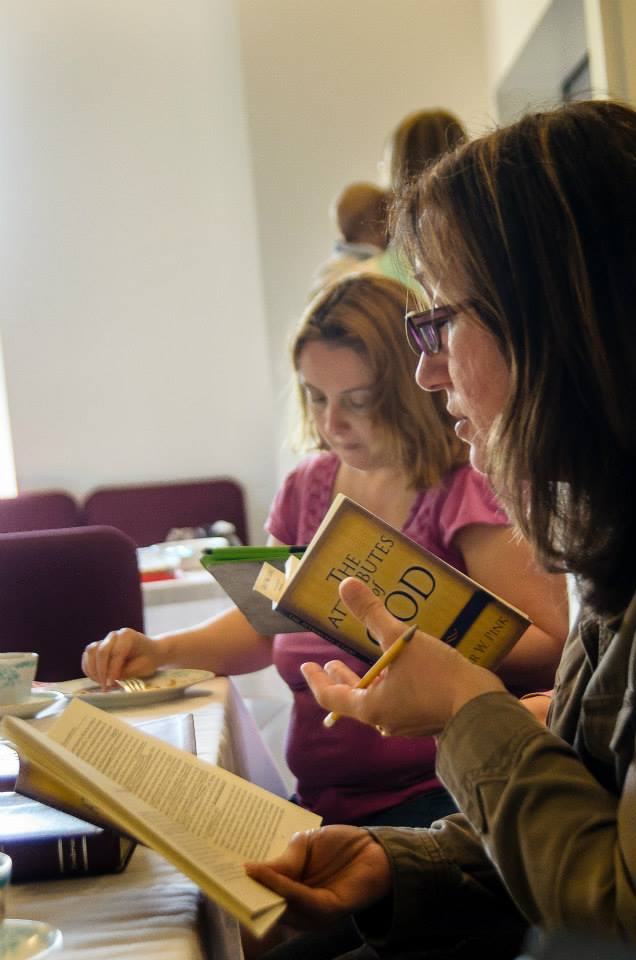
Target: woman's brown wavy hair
(365,312)
(536,224)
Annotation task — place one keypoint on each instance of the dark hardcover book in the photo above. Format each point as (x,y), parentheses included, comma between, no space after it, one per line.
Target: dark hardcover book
(44,842)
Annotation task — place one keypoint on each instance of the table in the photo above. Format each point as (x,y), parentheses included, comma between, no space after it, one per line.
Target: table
(151,910)
(188,586)
(175,604)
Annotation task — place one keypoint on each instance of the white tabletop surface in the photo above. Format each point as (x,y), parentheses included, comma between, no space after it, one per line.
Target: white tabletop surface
(266,693)
(186,586)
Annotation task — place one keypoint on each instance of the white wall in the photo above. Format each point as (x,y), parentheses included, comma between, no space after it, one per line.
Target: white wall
(131,315)
(143,187)
(611,26)
(326,82)
(133,320)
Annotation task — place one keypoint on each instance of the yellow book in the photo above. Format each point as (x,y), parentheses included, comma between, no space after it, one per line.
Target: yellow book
(414,585)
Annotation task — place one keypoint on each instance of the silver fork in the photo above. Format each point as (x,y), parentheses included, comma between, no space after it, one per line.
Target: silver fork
(132,684)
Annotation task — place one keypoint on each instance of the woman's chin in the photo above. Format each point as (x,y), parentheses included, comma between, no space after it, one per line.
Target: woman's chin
(477,457)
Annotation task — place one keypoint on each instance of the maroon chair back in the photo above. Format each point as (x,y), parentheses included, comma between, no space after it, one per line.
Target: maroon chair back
(147,512)
(62,589)
(40,510)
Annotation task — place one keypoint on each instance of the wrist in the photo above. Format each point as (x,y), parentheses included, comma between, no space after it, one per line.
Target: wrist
(476,681)
(163,649)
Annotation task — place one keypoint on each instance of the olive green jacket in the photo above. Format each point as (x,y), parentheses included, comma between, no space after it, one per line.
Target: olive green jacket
(549,816)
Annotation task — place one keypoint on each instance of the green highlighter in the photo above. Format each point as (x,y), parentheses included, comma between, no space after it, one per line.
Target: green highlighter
(235,569)
(213,555)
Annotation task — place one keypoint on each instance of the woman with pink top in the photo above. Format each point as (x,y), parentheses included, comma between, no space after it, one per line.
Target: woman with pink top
(390,446)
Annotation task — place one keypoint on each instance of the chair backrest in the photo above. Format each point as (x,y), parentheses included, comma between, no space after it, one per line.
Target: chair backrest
(62,589)
(147,512)
(40,510)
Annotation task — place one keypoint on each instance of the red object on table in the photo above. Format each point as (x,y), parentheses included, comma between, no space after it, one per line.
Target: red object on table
(158,575)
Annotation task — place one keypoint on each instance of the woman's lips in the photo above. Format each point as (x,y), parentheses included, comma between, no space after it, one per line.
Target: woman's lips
(461,427)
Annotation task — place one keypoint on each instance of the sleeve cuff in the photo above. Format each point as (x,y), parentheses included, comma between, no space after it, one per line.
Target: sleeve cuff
(418,869)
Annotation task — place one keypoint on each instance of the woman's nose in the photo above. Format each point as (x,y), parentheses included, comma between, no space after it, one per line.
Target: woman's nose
(335,417)
(432,372)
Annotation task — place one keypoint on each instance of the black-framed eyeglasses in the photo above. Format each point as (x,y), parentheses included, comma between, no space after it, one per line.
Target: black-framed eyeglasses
(423,328)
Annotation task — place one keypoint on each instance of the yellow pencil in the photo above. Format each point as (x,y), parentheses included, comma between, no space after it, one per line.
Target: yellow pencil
(387,657)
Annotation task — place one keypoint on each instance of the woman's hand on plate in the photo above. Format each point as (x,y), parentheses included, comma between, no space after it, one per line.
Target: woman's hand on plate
(122,653)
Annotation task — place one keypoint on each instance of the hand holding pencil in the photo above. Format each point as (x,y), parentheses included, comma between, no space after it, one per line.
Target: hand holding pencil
(426,684)
(387,657)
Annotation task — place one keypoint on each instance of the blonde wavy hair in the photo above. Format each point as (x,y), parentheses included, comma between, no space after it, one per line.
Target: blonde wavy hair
(365,313)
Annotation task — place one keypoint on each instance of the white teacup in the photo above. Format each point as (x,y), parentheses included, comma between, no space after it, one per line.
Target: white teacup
(17,672)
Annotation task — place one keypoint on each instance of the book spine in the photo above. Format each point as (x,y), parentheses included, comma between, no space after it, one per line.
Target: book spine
(41,858)
(312,628)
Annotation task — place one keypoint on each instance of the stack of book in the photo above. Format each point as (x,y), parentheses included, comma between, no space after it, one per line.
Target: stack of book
(45,842)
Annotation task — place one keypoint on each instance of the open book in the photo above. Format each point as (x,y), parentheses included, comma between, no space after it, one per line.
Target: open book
(45,842)
(415,586)
(203,819)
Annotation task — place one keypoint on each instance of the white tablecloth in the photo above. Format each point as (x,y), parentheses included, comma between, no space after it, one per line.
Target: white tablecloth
(151,911)
(189,586)
(268,696)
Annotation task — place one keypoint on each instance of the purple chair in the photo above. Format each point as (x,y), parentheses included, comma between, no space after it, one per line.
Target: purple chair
(62,589)
(40,510)
(147,512)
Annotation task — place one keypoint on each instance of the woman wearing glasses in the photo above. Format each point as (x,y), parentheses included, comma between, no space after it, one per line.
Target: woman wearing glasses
(526,238)
(390,446)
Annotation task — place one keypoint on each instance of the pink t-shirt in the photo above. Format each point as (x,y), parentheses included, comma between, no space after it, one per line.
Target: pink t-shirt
(350,771)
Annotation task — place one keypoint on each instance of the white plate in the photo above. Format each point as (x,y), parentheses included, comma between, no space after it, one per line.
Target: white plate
(164,685)
(38,700)
(28,940)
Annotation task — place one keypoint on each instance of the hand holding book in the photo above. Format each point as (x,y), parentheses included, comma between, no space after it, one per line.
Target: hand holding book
(417,694)
(205,820)
(416,586)
(326,873)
